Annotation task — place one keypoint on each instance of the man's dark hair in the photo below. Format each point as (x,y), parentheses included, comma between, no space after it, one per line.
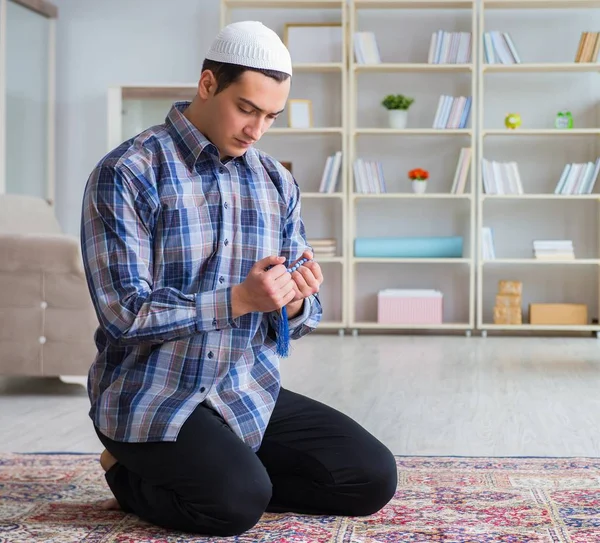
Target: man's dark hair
(227,74)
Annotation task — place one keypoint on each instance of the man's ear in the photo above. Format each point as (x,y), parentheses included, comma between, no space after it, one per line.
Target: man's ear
(207,85)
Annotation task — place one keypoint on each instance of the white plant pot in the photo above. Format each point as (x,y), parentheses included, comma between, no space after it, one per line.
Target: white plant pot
(397,118)
(419,187)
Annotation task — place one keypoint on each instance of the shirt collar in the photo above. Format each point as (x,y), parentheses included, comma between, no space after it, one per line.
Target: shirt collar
(192,143)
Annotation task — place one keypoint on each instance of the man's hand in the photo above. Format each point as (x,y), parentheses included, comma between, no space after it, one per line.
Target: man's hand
(307,278)
(264,290)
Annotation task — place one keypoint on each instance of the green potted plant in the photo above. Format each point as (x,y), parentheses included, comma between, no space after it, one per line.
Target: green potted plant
(397,106)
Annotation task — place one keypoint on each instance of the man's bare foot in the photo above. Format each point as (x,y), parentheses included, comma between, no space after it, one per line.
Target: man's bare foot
(107,460)
(110,505)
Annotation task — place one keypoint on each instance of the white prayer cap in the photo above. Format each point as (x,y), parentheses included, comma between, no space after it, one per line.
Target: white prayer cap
(251,44)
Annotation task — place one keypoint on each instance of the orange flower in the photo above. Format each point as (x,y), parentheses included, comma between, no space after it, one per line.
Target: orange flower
(418,174)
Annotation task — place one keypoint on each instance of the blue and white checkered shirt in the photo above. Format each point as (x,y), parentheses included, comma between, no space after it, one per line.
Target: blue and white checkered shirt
(167,229)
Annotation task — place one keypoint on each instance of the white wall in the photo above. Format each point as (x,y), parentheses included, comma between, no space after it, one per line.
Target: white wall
(116,42)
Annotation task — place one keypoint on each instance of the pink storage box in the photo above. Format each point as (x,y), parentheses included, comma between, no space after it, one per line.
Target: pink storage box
(409,306)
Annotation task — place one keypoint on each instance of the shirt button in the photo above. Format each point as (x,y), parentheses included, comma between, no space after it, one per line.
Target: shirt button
(202,389)
(226,242)
(225,205)
(221,170)
(214,322)
(210,354)
(221,279)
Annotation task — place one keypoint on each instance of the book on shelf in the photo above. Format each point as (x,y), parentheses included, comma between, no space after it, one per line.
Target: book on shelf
(499,48)
(366,50)
(588,48)
(578,178)
(450,48)
(331,173)
(487,243)
(553,249)
(452,112)
(368,177)
(323,247)
(501,177)
(462,171)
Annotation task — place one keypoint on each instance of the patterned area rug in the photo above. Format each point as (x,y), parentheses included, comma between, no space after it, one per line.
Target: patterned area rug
(53,498)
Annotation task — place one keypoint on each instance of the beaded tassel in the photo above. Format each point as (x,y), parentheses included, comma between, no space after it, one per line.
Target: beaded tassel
(283,329)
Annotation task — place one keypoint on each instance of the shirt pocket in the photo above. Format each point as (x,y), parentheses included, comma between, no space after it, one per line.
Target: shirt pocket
(186,240)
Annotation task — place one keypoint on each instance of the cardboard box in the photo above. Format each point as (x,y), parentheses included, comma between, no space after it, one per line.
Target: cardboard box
(508,300)
(510,287)
(566,314)
(409,306)
(508,315)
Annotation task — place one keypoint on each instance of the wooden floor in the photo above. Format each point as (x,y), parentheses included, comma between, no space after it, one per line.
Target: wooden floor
(420,395)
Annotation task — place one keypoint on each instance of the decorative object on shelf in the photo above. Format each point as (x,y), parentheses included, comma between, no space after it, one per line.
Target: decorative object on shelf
(409,247)
(564,120)
(513,121)
(410,306)
(397,106)
(558,314)
(314,42)
(300,113)
(508,303)
(419,177)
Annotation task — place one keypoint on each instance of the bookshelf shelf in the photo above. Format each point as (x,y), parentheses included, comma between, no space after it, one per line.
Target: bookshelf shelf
(540,197)
(410,195)
(550,67)
(541,262)
(289,4)
(322,195)
(522,132)
(541,327)
(445,326)
(412,67)
(413,4)
(541,4)
(304,131)
(365,260)
(412,132)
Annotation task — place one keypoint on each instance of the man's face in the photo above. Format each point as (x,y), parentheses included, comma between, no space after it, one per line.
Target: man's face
(244,111)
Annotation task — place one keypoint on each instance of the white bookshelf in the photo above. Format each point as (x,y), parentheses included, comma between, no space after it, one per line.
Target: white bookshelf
(348,117)
(547,62)
(453,276)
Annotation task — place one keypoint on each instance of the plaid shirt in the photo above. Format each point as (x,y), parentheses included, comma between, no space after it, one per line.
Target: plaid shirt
(167,229)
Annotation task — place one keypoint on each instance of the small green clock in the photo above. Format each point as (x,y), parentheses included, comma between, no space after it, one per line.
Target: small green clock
(564,120)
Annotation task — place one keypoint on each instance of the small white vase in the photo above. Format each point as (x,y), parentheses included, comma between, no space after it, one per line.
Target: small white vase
(397,118)
(419,187)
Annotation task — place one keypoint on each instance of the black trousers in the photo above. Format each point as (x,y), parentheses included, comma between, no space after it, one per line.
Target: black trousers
(313,460)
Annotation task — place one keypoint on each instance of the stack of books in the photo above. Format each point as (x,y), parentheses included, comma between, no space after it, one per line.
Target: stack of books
(331,172)
(323,247)
(508,303)
(368,177)
(500,49)
(578,178)
(462,170)
(589,46)
(501,177)
(450,48)
(553,249)
(452,112)
(366,50)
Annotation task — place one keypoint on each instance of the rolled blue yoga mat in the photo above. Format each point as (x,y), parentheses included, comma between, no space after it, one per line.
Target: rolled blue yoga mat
(424,247)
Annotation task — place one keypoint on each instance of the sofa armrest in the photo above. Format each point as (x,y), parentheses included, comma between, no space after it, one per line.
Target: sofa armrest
(48,252)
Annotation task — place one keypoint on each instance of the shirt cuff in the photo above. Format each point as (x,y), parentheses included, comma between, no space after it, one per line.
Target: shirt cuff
(301,318)
(214,311)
